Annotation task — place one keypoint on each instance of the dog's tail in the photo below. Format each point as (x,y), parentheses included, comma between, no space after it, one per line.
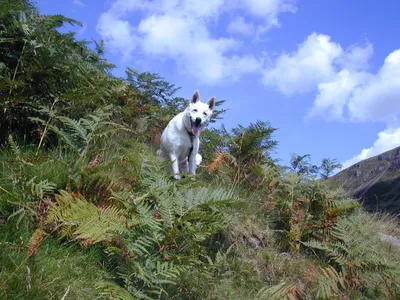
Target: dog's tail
(199,159)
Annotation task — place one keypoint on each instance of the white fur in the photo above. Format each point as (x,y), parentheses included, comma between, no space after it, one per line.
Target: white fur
(176,141)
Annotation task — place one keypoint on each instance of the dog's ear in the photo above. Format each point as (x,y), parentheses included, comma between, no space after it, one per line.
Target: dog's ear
(195,97)
(211,103)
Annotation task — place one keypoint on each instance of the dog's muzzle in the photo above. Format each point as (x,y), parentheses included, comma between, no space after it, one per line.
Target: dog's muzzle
(196,125)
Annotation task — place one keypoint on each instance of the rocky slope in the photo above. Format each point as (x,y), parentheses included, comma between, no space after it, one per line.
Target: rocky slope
(375,181)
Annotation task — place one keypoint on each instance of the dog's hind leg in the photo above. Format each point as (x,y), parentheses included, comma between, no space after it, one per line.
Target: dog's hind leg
(184,166)
(199,159)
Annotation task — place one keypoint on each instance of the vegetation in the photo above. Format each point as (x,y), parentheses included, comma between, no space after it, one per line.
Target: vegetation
(301,165)
(88,212)
(328,166)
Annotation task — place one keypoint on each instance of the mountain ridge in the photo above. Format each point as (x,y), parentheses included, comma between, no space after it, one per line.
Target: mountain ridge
(374,181)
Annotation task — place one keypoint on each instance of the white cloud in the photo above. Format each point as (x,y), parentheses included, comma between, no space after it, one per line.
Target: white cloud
(188,42)
(117,33)
(238,65)
(317,62)
(387,140)
(301,71)
(356,57)
(79,3)
(379,98)
(269,10)
(346,90)
(333,95)
(367,97)
(184,31)
(240,26)
(362,96)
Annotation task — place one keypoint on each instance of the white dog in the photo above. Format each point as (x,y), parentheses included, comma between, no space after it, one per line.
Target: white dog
(180,139)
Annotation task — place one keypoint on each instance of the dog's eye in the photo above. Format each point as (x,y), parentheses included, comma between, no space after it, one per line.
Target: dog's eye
(195,110)
(204,113)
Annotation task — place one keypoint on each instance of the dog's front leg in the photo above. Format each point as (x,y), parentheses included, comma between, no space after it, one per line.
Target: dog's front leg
(175,166)
(192,158)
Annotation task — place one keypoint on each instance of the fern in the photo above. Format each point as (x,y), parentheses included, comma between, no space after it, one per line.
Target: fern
(114,291)
(82,134)
(96,187)
(142,125)
(281,291)
(14,147)
(16,150)
(82,220)
(42,188)
(330,283)
(357,260)
(25,197)
(174,219)
(77,129)
(149,277)
(220,159)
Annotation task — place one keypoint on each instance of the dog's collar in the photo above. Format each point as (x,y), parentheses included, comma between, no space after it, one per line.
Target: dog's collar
(190,134)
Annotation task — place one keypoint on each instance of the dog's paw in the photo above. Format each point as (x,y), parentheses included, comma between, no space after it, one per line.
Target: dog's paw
(177,177)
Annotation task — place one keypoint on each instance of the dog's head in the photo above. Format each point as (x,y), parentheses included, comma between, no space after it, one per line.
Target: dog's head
(199,113)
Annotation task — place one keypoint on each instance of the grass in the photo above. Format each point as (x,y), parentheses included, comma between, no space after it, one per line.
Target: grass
(57,267)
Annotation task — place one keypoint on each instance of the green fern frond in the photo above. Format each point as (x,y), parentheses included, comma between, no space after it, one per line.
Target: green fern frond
(142,125)
(113,291)
(144,214)
(142,246)
(330,283)
(42,188)
(344,205)
(79,135)
(82,220)
(96,187)
(155,274)
(357,260)
(315,245)
(16,150)
(207,195)
(60,133)
(281,291)
(75,127)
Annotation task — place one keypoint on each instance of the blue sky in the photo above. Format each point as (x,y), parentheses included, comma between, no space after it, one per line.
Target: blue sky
(325,73)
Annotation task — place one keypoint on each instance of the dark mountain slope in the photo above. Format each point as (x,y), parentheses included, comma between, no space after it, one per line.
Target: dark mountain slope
(375,181)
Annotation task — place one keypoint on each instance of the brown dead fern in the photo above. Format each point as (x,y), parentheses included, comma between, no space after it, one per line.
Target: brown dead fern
(221,159)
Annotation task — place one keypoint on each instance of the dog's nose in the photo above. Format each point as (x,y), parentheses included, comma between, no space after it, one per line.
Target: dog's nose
(198,121)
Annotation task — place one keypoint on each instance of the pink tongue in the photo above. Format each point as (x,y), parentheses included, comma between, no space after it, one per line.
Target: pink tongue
(195,130)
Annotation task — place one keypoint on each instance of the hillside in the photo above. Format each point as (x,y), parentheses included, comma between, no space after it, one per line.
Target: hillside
(88,211)
(375,181)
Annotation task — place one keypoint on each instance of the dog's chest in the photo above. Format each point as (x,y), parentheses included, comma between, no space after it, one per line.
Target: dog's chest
(182,147)
(177,139)
(184,143)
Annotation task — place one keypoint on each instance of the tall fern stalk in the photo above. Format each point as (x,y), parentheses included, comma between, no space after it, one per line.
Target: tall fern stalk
(46,126)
